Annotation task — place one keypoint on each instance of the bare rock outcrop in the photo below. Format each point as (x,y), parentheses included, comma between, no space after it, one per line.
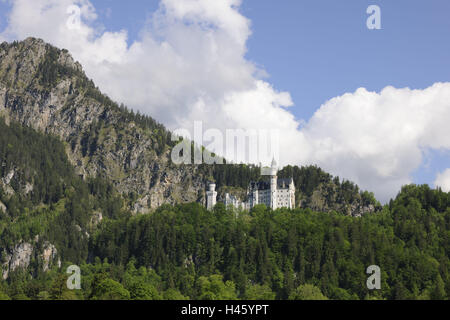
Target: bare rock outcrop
(19,257)
(101,138)
(21,254)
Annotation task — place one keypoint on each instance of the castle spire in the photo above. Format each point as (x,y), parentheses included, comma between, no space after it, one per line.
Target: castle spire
(273,168)
(274,163)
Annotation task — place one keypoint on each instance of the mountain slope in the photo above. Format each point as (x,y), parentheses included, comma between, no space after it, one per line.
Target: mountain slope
(73,165)
(45,208)
(44,88)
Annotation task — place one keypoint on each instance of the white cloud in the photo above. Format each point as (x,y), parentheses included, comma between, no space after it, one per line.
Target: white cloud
(189,64)
(443,180)
(378,139)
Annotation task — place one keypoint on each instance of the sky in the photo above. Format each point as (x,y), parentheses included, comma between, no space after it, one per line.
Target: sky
(371,106)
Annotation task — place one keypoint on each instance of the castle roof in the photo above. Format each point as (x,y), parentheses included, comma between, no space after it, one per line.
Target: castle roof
(284,183)
(259,185)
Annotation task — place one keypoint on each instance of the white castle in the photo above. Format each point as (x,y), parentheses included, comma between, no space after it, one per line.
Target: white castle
(275,193)
(211,196)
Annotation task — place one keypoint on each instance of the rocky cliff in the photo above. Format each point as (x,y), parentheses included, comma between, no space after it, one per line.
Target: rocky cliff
(22,254)
(44,88)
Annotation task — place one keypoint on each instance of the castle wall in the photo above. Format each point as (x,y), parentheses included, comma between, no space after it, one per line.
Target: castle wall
(272,196)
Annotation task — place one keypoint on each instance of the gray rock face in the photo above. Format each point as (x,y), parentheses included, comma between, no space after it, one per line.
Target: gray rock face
(20,256)
(124,151)
(97,217)
(324,199)
(49,255)
(7,179)
(5,183)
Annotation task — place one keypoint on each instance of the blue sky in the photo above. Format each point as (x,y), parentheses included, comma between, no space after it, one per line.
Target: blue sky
(320,49)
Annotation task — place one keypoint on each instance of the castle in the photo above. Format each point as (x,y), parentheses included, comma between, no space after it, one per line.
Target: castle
(211,197)
(275,193)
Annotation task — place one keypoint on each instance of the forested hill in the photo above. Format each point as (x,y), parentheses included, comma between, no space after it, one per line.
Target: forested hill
(47,212)
(44,88)
(290,254)
(187,252)
(75,168)
(315,189)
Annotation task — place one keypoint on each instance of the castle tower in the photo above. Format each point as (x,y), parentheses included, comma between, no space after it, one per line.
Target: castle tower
(273,185)
(211,196)
(292,194)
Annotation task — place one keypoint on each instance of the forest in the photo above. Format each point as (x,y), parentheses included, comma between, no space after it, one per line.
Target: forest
(186,252)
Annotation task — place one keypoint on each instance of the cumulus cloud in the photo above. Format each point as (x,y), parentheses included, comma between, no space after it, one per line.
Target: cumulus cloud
(189,64)
(443,180)
(378,139)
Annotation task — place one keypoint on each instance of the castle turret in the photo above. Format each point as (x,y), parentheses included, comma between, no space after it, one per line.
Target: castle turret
(291,194)
(273,184)
(273,168)
(211,196)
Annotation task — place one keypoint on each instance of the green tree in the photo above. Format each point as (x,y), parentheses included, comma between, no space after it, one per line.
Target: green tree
(143,291)
(307,292)
(173,294)
(259,292)
(4,296)
(109,289)
(213,288)
(438,292)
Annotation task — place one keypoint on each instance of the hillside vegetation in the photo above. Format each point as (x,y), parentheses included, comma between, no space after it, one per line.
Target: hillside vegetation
(42,87)
(184,251)
(86,181)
